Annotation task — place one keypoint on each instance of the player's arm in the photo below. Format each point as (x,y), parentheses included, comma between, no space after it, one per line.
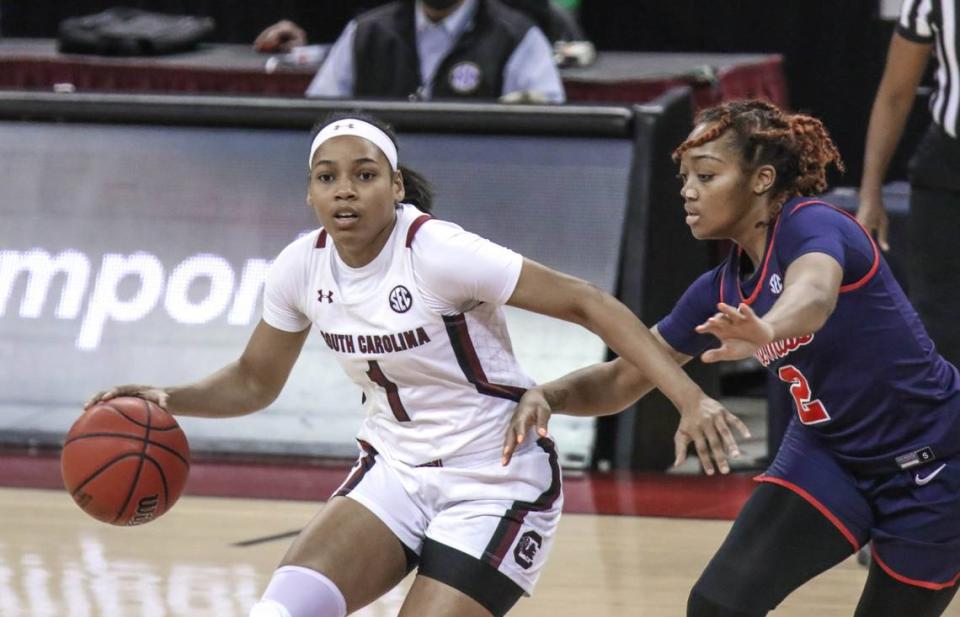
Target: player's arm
(246,385)
(810,291)
(558,295)
(906,61)
(280,37)
(705,422)
(597,390)
(605,388)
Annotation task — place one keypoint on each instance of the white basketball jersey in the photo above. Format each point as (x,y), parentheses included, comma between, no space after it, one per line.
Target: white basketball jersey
(434,386)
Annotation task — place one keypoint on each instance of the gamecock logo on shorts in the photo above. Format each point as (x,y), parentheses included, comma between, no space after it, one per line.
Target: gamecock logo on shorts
(400,299)
(526,549)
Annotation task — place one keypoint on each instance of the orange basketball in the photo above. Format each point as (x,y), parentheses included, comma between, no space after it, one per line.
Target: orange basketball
(125,461)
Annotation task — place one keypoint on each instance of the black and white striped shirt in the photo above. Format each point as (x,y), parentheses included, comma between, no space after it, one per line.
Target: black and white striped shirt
(937,22)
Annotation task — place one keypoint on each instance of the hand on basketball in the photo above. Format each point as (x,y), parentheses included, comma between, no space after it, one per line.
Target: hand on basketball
(707,426)
(150,393)
(97,456)
(740,332)
(533,410)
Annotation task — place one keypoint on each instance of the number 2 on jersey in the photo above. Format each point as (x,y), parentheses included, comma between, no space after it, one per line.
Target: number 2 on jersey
(393,396)
(810,412)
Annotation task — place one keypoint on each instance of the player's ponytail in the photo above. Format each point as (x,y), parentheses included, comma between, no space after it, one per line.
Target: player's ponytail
(417,188)
(816,152)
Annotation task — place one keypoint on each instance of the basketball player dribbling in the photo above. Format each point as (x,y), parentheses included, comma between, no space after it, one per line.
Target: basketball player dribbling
(871,453)
(411,306)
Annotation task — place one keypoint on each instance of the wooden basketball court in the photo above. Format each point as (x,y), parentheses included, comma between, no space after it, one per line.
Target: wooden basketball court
(213,556)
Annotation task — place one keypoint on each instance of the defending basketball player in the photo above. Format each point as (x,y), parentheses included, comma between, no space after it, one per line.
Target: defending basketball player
(411,306)
(871,454)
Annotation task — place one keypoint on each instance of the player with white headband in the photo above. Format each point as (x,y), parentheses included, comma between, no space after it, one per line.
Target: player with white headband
(357,128)
(412,308)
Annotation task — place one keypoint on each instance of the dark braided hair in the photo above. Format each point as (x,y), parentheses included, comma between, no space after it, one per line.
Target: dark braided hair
(798,146)
(417,189)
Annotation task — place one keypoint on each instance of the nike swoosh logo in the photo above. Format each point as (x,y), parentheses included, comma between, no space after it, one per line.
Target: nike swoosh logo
(921,480)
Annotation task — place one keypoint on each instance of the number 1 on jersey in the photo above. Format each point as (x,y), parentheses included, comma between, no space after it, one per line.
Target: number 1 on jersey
(810,412)
(393,396)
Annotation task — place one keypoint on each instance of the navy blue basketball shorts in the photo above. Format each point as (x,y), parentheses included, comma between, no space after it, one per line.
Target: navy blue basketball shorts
(911,517)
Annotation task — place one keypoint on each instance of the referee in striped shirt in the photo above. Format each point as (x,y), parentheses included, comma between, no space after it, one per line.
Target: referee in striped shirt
(925,28)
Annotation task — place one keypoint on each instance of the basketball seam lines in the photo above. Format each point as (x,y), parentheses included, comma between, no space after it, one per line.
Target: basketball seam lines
(111,462)
(132,438)
(143,453)
(163,476)
(135,421)
(103,468)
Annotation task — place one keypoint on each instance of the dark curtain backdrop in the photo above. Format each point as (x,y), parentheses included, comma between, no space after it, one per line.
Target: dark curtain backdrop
(833,50)
(238,21)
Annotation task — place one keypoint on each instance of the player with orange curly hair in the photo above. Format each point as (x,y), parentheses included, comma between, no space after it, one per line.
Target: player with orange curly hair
(873,451)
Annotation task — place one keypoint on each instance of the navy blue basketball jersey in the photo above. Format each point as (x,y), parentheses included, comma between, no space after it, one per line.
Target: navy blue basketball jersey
(869,384)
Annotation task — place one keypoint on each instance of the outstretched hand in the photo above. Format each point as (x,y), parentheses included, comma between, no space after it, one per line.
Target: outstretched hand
(707,426)
(740,330)
(533,410)
(150,393)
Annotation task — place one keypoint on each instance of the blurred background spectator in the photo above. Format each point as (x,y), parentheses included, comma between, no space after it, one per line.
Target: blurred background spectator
(833,49)
(433,49)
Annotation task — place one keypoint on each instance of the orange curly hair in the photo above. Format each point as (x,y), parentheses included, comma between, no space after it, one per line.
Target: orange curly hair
(798,146)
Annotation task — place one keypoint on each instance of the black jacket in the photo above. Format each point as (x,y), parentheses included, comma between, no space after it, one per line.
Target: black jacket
(386,62)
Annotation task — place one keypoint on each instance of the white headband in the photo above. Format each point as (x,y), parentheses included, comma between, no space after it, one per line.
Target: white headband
(358,128)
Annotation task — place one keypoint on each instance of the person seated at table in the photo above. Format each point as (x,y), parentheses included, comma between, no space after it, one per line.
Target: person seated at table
(461,49)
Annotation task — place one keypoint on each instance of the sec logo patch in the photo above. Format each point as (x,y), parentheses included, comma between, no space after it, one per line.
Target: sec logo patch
(464,77)
(400,299)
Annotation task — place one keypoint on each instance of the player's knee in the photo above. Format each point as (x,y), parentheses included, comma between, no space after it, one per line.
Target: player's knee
(700,606)
(733,586)
(269,608)
(295,591)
